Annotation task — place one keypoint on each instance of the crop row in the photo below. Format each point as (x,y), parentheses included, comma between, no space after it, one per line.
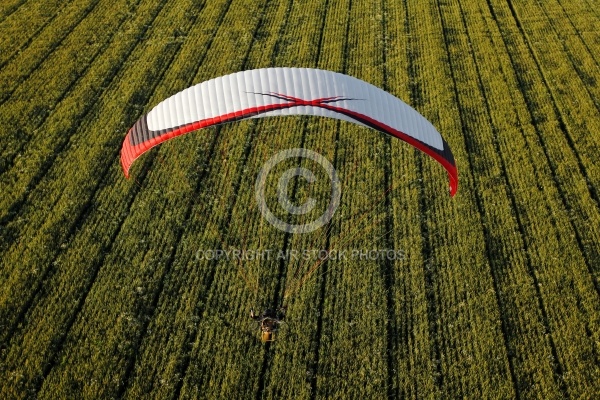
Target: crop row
(38,202)
(573,97)
(21,26)
(555,137)
(571,49)
(416,347)
(65,87)
(553,266)
(203,359)
(306,23)
(74,207)
(456,265)
(142,206)
(9,7)
(357,335)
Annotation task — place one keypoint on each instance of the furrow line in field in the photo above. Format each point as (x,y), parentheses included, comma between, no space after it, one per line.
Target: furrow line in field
(11,53)
(322,281)
(182,371)
(416,101)
(12,210)
(40,115)
(564,124)
(577,56)
(387,269)
(591,253)
(151,161)
(13,82)
(15,37)
(284,264)
(16,201)
(430,278)
(10,9)
(576,30)
(415,376)
(106,169)
(556,364)
(472,121)
(282,28)
(504,325)
(388,276)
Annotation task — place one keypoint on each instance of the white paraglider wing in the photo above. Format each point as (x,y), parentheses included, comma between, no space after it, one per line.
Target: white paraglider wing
(285,91)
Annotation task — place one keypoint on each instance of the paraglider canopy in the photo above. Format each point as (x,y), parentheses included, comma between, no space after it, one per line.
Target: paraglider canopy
(285,91)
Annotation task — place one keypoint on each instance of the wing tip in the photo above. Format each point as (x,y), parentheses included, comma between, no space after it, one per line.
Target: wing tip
(453,188)
(453,177)
(125,171)
(126,156)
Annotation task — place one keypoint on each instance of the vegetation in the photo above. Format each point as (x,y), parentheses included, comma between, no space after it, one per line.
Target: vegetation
(102,289)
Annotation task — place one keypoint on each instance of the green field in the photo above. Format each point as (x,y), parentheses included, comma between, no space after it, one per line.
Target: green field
(105,291)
